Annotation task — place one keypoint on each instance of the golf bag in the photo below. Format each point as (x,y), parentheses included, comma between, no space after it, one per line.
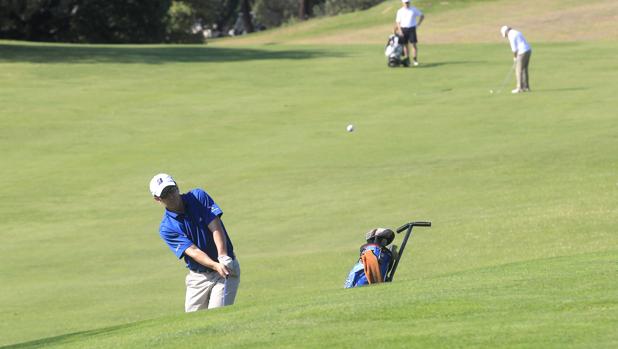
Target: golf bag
(376,259)
(394,51)
(378,262)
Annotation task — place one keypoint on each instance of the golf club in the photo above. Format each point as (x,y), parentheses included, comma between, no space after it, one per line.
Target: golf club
(506,78)
(408,227)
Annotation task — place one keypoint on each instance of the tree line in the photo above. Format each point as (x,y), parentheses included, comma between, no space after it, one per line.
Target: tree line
(155,21)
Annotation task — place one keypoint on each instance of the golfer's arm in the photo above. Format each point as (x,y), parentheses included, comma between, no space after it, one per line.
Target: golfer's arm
(217,234)
(420,20)
(200,257)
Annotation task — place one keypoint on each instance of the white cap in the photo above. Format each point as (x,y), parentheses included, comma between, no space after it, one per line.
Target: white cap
(405,0)
(160,182)
(504,29)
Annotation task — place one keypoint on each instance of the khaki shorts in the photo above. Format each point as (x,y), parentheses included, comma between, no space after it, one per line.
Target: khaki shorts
(210,290)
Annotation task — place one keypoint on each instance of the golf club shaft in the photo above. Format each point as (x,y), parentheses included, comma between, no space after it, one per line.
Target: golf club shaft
(506,78)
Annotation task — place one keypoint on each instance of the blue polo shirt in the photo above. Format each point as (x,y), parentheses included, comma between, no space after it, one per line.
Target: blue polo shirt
(179,231)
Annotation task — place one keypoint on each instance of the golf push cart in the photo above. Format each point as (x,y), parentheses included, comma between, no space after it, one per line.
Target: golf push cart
(394,52)
(378,258)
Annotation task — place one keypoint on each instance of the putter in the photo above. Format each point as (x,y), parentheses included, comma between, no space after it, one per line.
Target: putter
(408,227)
(506,78)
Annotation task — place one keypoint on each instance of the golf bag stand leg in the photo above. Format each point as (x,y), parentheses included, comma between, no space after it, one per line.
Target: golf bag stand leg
(408,228)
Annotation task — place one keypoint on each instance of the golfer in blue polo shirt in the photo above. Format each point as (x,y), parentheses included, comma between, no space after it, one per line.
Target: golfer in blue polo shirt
(193,230)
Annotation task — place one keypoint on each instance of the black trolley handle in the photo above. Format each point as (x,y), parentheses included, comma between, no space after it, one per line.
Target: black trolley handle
(408,227)
(413,224)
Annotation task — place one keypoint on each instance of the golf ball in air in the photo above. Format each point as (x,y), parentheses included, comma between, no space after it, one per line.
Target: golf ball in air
(350,128)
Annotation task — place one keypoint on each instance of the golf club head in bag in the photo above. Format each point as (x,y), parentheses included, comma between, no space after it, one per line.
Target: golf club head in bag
(380,236)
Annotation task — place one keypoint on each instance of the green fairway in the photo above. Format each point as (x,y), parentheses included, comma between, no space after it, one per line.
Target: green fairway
(521,190)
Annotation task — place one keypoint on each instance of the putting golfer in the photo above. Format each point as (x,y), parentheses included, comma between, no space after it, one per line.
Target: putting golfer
(193,230)
(521,57)
(406,22)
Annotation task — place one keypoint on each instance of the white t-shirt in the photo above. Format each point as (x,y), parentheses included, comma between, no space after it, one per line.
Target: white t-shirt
(406,16)
(518,42)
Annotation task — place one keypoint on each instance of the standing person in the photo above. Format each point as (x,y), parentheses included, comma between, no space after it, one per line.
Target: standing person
(406,27)
(521,57)
(193,230)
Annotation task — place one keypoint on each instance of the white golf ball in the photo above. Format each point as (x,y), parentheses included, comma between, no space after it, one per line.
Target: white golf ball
(350,128)
(491,91)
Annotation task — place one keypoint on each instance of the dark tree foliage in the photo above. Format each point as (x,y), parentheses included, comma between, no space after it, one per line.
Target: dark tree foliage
(305,8)
(120,21)
(219,14)
(210,11)
(153,21)
(273,13)
(39,20)
(245,8)
(96,21)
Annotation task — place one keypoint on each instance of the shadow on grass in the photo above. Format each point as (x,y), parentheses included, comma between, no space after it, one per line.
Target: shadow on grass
(68,338)
(12,53)
(439,64)
(561,89)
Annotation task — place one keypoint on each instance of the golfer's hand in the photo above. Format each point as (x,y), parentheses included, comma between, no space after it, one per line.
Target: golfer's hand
(222,270)
(227,261)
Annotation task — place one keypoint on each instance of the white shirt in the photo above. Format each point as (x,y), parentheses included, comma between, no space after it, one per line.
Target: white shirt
(518,42)
(406,16)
